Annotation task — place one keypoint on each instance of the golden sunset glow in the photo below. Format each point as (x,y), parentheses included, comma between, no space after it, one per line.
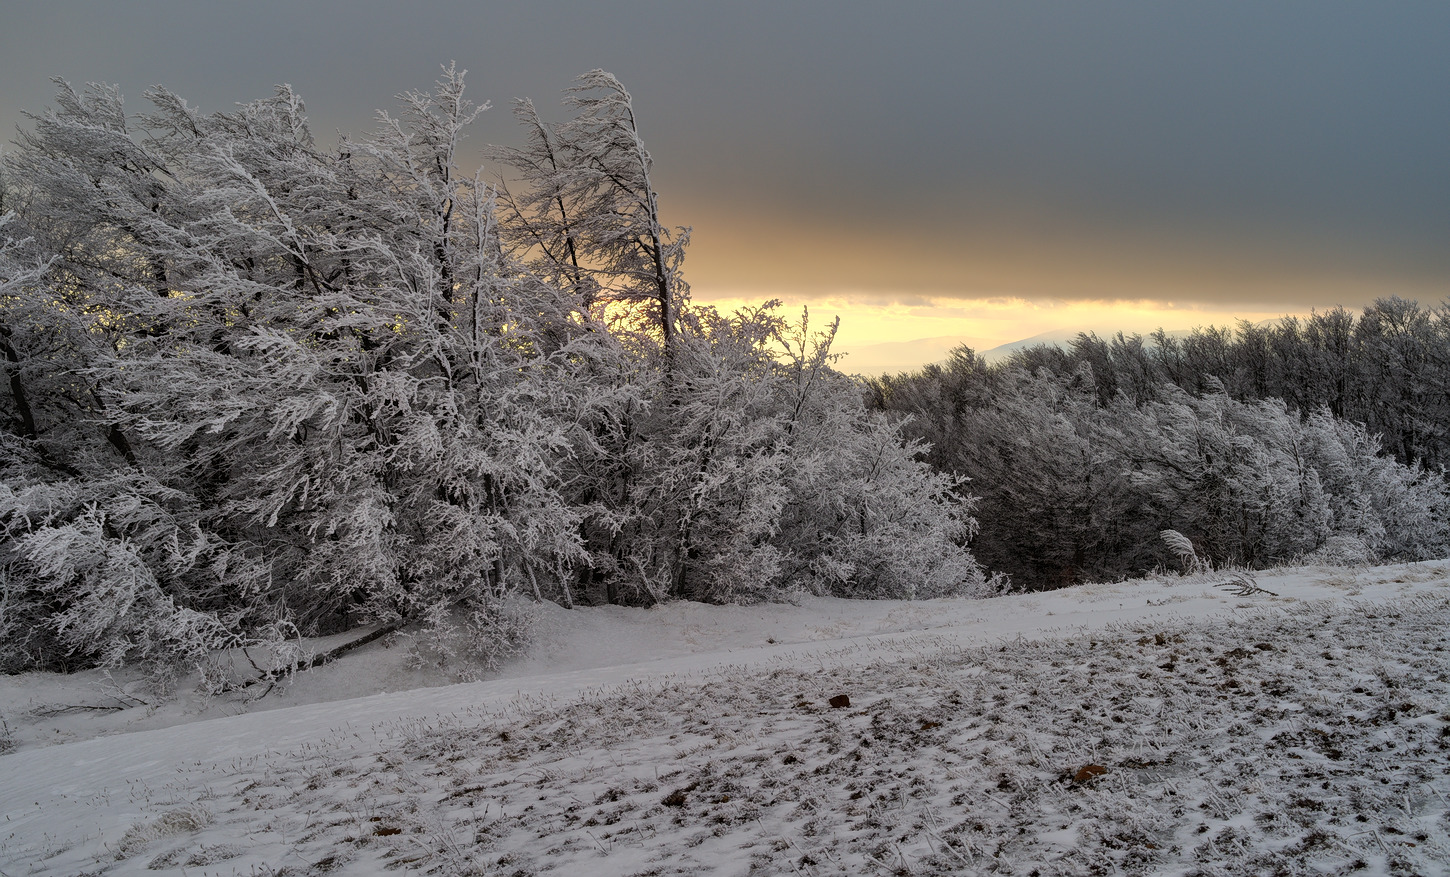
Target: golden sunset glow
(907,297)
(887,336)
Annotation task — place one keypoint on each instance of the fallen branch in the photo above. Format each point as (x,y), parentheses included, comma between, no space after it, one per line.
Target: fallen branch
(1243,584)
(326,657)
(46,712)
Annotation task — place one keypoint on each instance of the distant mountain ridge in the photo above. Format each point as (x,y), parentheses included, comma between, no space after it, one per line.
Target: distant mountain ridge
(903,356)
(898,356)
(1060,337)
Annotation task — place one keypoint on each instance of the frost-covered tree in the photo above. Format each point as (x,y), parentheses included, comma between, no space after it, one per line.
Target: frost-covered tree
(326,354)
(759,471)
(1386,367)
(1045,460)
(583,214)
(20,327)
(99,562)
(1074,484)
(792,483)
(1380,509)
(1234,477)
(721,473)
(257,384)
(588,213)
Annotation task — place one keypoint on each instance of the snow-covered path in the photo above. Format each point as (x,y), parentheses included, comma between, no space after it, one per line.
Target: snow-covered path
(92,805)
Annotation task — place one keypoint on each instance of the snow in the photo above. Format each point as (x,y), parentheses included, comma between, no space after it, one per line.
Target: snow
(1158,727)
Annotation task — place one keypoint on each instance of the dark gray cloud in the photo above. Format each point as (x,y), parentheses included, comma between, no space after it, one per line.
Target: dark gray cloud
(1287,141)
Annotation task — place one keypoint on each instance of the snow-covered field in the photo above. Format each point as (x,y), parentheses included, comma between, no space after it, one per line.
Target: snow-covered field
(1154,727)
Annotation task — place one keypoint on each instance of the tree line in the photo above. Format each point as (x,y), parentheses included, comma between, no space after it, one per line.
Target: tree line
(255,387)
(1322,438)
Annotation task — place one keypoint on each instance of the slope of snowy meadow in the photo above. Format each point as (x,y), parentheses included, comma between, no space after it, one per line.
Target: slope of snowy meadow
(1150,727)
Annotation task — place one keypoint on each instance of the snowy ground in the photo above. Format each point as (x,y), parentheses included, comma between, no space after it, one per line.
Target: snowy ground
(1144,727)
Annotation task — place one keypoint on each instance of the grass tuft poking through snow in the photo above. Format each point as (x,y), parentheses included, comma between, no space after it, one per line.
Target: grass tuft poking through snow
(1313,739)
(180,821)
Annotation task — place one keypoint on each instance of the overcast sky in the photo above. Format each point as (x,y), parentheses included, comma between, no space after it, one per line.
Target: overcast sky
(974,170)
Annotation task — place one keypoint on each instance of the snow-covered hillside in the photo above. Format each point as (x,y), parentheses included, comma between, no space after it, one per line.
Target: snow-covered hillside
(1155,727)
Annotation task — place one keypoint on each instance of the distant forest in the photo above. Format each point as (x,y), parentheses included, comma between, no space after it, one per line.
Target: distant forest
(253,388)
(1319,438)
